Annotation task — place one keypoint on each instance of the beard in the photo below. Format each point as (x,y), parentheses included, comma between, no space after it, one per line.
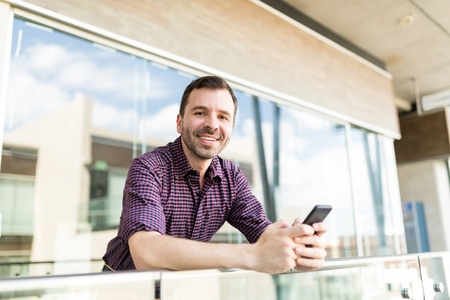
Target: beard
(190,140)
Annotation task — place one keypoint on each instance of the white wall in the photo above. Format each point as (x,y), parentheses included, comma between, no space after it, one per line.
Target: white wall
(427,182)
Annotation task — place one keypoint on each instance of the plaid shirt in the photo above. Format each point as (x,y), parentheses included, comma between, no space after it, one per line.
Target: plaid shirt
(162,193)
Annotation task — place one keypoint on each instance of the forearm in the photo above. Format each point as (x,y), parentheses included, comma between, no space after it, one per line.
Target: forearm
(274,252)
(166,252)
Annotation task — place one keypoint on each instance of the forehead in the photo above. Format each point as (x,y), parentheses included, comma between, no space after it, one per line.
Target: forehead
(211,98)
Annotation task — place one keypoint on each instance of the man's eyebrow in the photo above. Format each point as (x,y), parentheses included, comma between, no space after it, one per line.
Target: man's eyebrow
(199,107)
(225,112)
(202,107)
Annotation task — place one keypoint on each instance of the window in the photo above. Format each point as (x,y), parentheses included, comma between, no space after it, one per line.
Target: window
(376,193)
(314,169)
(78,112)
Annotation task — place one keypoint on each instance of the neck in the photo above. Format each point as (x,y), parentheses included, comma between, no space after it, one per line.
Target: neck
(196,163)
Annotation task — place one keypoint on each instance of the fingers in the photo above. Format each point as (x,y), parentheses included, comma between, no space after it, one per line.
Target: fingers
(300,246)
(313,241)
(313,253)
(320,228)
(309,264)
(274,251)
(299,230)
(309,258)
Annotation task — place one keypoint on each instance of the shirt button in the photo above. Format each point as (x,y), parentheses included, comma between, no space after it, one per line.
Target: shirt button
(198,193)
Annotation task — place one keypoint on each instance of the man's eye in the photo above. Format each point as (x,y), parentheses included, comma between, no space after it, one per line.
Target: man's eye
(199,113)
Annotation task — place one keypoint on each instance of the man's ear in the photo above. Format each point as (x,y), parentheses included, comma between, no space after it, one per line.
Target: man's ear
(179,121)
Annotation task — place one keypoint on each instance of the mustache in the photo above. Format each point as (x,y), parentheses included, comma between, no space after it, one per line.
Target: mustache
(214,134)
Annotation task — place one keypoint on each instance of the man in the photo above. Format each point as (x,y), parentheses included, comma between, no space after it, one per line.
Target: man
(177,197)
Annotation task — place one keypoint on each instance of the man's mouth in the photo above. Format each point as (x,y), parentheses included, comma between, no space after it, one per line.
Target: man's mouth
(208,138)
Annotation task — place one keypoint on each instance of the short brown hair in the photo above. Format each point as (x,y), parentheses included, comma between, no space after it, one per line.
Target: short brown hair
(209,82)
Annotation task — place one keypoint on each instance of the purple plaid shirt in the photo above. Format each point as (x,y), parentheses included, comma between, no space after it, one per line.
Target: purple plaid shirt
(162,193)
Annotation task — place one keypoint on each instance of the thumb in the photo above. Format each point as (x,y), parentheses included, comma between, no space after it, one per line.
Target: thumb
(297,221)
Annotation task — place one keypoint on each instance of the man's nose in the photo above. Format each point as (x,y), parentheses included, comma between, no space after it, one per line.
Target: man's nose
(211,122)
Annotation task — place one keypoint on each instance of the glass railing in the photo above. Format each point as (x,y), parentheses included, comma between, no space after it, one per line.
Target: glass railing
(423,276)
(120,285)
(45,268)
(435,272)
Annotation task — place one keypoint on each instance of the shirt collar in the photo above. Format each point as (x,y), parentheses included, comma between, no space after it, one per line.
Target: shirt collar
(215,169)
(182,167)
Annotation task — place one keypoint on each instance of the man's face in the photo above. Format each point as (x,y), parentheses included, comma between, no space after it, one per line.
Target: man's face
(207,123)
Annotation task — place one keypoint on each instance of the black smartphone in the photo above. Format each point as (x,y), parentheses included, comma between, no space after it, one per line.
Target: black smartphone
(318,214)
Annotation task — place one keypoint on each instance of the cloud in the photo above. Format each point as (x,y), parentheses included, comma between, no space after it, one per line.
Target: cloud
(307,120)
(162,124)
(28,98)
(46,58)
(94,71)
(46,76)
(109,117)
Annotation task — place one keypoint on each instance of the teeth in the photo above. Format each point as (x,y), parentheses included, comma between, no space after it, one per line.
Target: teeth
(208,139)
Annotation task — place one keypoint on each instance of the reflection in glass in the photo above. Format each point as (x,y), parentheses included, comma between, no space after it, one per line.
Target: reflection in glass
(131,286)
(217,285)
(371,279)
(435,275)
(375,196)
(313,168)
(78,112)
(243,151)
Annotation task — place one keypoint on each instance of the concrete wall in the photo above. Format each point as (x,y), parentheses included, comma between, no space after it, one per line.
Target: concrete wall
(427,182)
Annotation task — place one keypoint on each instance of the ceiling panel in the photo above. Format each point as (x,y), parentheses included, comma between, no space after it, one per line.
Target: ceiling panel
(420,50)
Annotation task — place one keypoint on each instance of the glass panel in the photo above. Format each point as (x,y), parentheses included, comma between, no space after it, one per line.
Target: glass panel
(93,286)
(215,285)
(244,152)
(16,206)
(435,275)
(85,112)
(313,169)
(17,268)
(351,279)
(378,200)
(395,229)
(359,280)
(77,113)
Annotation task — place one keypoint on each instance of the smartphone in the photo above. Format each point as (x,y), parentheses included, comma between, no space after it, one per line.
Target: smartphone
(318,214)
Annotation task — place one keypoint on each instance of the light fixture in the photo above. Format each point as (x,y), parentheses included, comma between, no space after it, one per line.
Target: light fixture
(406,20)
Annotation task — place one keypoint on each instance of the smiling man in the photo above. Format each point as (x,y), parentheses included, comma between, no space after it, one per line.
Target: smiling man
(178,196)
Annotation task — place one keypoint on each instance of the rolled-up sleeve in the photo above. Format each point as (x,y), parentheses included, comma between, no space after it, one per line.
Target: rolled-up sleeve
(142,209)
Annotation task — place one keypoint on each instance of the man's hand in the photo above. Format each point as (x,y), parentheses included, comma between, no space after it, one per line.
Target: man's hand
(311,248)
(276,250)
